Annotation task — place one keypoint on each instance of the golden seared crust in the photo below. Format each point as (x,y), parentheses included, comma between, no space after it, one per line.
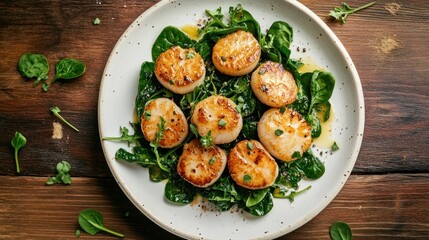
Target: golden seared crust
(201,166)
(176,126)
(285,133)
(236,54)
(273,85)
(251,166)
(180,70)
(218,115)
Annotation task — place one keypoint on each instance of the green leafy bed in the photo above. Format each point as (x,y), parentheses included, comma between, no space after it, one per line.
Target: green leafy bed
(315,90)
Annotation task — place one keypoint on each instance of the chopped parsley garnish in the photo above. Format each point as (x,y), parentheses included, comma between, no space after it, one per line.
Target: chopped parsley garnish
(247,178)
(278,132)
(222,123)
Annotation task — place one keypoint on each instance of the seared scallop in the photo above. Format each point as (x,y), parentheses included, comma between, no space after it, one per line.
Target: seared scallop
(236,54)
(219,116)
(284,133)
(175,125)
(201,166)
(273,85)
(251,166)
(180,70)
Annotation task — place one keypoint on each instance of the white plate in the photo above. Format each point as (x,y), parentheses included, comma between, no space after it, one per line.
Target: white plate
(116,103)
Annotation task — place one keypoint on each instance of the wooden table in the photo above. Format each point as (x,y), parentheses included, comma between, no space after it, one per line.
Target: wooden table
(386,197)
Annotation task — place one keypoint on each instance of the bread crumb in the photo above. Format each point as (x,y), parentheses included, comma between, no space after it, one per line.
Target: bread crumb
(392,8)
(388,44)
(57,132)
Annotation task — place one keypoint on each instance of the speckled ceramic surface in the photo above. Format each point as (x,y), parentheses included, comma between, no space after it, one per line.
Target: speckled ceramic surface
(313,41)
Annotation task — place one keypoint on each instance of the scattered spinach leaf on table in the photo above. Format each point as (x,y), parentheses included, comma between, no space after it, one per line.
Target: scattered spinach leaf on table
(17,143)
(56,111)
(91,222)
(68,68)
(33,65)
(340,231)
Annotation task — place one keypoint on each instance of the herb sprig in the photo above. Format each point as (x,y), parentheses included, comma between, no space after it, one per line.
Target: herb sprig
(155,144)
(63,176)
(341,13)
(56,111)
(125,136)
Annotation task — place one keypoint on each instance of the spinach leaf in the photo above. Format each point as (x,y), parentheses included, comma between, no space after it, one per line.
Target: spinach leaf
(246,102)
(189,100)
(280,34)
(241,17)
(170,36)
(321,87)
(32,65)
(324,110)
(156,174)
(302,102)
(263,207)
(179,191)
(275,44)
(289,176)
(256,196)
(91,222)
(222,194)
(340,231)
(17,143)
(314,91)
(238,90)
(309,165)
(68,68)
(314,121)
(249,130)
(235,86)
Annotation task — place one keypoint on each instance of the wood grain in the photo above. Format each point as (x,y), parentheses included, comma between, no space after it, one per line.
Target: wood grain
(369,204)
(385,198)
